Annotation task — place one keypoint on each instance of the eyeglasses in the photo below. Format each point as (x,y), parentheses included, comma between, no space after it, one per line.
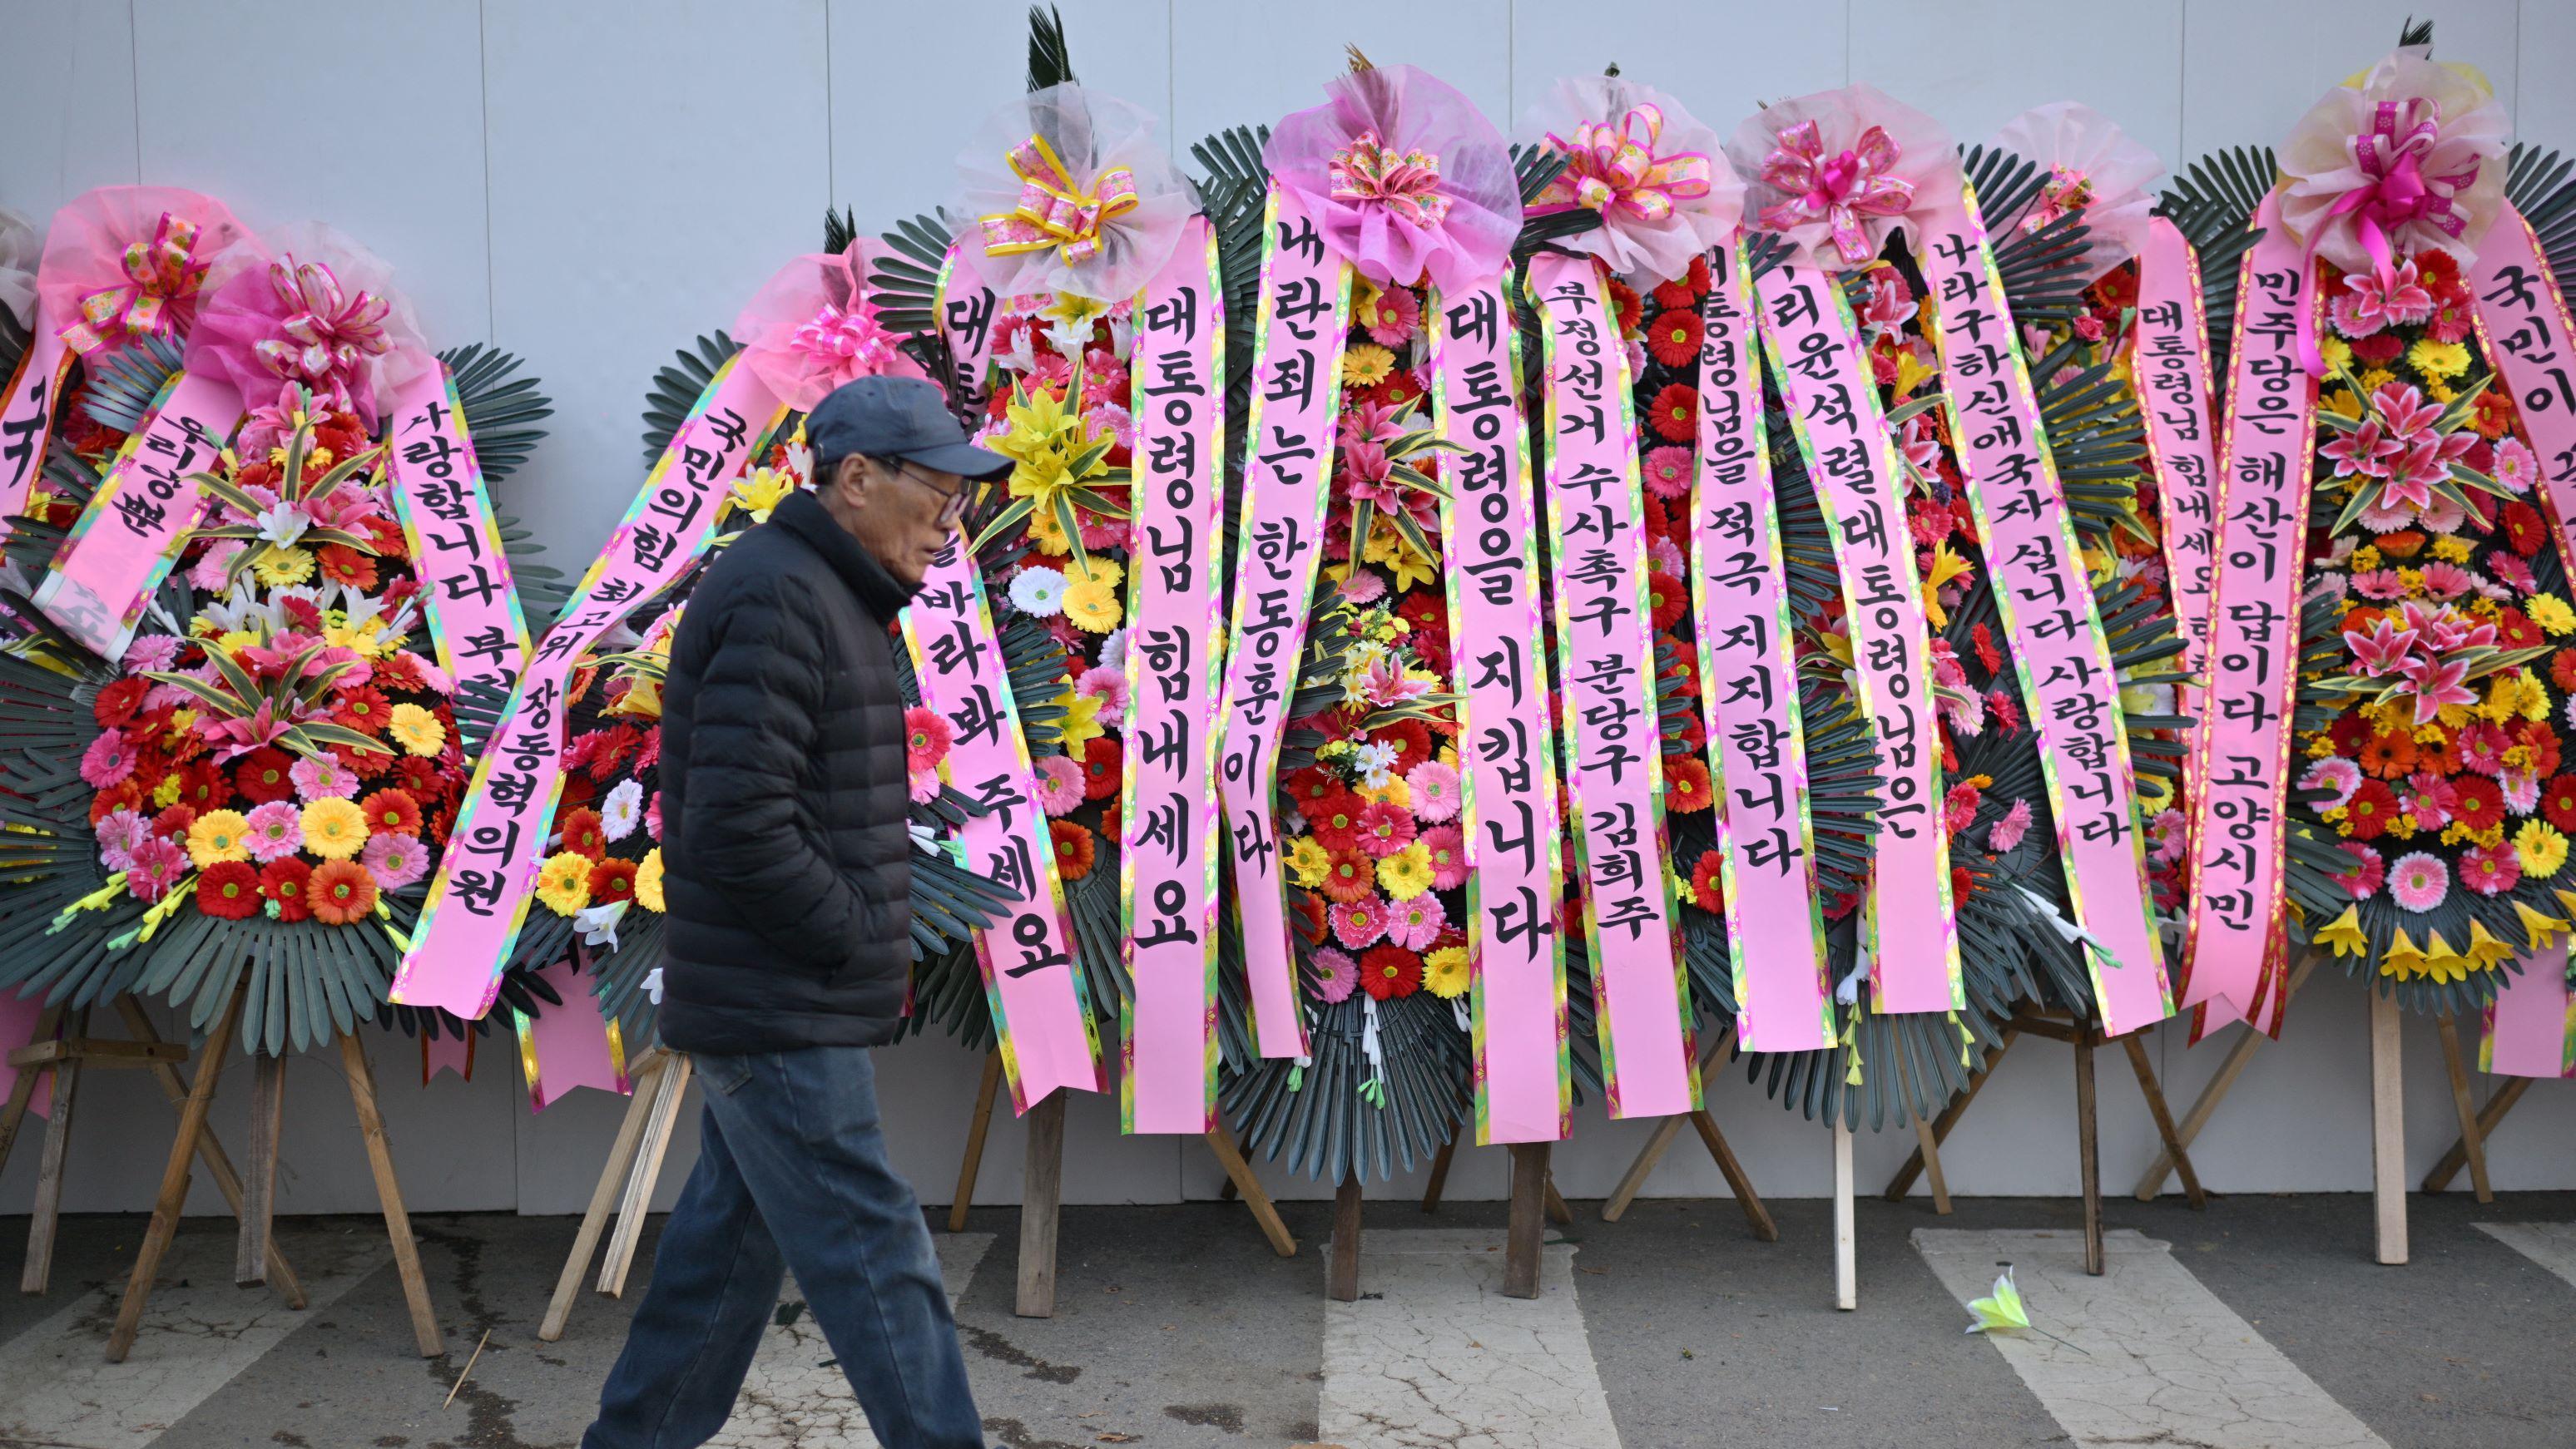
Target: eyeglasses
(953,508)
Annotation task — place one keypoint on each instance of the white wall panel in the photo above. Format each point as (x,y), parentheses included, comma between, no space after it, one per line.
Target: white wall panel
(1247,65)
(1721,61)
(651,165)
(2545,104)
(2122,60)
(2251,70)
(67,112)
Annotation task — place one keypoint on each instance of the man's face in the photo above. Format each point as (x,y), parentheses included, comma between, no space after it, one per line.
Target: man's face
(895,511)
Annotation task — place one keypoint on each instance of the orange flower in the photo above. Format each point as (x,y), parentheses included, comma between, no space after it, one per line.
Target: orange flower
(340,892)
(2405,543)
(583,834)
(1074,851)
(612,880)
(2388,753)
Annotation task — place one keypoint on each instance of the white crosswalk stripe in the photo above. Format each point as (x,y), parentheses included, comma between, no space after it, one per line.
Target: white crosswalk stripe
(796,1397)
(1434,1354)
(199,1331)
(2148,1355)
(2551,1245)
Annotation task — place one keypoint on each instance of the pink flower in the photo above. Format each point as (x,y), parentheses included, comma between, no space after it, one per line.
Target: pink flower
(1434,787)
(2403,301)
(1448,847)
(2170,833)
(2491,869)
(927,737)
(2447,580)
(2366,873)
(107,761)
(2516,466)
(152,651)
(1363,587)
(1370,422)
(1361,922)
(2382,585)
(153,867)
(321,779)
(1662,553)
(1384,830)
(1891,301)
(2419,882)
(2365,450)
(395,860)
(653,808)
(118,833)
(2403,407)
(211,567)
(1959,807)
(2482,745)
(2380,650)
(923,785)
(1668,472)
(1417,923)
(2437,684)
(1059,784)
(1335,975)
(2521,791)
(2430,798)
(276,830)
(2510,569)
(1110,685)
(1395,317)
(2007,832)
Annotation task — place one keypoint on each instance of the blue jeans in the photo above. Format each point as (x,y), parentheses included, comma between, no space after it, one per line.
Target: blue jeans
(791,1174)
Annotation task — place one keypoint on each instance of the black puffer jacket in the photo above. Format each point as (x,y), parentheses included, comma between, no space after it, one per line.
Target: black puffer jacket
(783,798)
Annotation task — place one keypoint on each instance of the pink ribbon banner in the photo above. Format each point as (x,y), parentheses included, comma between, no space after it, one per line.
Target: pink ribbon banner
(570,1044)
(964,310)
(1032,983)
(2050,618)
(1775,925)
(1842,434)
(1605,646)
(1168,863)
(474,615)
(27,416)
(479,898)
(1515,875)
(128,538)
(1288,458)
(2236,943)
(2531,1025)
(2524,329)
(2171,366)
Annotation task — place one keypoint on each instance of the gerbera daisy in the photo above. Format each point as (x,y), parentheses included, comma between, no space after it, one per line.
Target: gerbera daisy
(1674,338)
(2419,882)
(152,867)
(417,730)
(1434,787)
(334,829)
(340,892)
(218,835)
(2541,849)
(1307,862)
(1444,972)
(283,882)
(2478,802)
(1385,829)
(107,761)
(1349,875)
(1667,599)
(1446,846)
(623,810)
(1667,472)
(362,708)
(395,860)
(324,779)
(228,890)
(276,829)
(583,834)
(1407,873)
(2333,773)
(262,776)
(1093,606)
(1074,850)
(2387,753)
(2368,870)
(1390,971)
(648,881)
(1390,316)
(1102,768)
(1335,975)
(563,882)
(2490,869)
(1360,922)
(118,832)
(611,881)
(1037,591)
(1674,414)
(2372,809)
(2008,830)
(1417,922)
(1059,785)
(1686,784)
(391,812)
(1335,819)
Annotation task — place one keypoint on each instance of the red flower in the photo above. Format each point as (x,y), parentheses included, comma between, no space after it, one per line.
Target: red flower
(1335,820)
(1074,851)
(116,703)
(261,776)
(2558,802)
(1412,741)
(2492,414)
(2514,629)
(1699,278)
(2378,350)
(1674,414)
(2387,753)
(284,881)
(391,812)
(2522,526)
(173,823)
(1348,875)
(927,737)
(202,785)
(362,709)
(2370,810)
(1306,916)
(1708,885)
(1400,390)
(228,890)
(419,777)
(2348,731)
(1962,884)
(1385,829)
(1102,771)
(582,833)
(1987,655)
(2539,737)
(1303,787)
(1673,294)
(400,671)
(1686,787)
(1387,971)
(1627,304)
(2006,711)
(342,564)
(340,892)
(612,880)
(1667,598)
(1674,339)
(386,535)
(2479,802)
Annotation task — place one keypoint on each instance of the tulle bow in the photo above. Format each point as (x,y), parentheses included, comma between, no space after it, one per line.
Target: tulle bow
(329,333)
(1053,211)
(2392,154)
(161,275)
(1841,189)
(1369,172)
(1614,165)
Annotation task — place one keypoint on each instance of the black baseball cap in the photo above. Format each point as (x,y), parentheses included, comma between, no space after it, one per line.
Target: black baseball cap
(897,417)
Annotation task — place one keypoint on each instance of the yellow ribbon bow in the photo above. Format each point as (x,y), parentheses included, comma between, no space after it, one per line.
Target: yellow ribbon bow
(1052,211)
(159,274)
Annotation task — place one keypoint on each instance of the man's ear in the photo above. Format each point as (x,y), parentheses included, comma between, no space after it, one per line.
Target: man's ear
(851,475)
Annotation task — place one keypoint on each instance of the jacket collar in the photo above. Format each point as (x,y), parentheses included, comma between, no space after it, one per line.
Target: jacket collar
(804,515)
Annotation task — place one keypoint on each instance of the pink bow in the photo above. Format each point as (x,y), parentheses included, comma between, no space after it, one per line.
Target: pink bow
(1616,166)
(327,333)
(2392,154)
(1366,170)
(1842,189)
(847,344)
(161,277)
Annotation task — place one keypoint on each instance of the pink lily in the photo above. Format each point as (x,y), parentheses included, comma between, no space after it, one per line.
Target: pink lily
(2381,650)
(2403,407)
(2365,450)
(238,737)
(2437,683)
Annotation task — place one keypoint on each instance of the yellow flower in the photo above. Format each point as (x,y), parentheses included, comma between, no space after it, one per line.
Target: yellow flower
(2365,559)
(2376,378)
(1911,372)
(219,835)
(764,490)
(1048,535)
(2451,548)
(417,730)
(181,722)
(1051,447)
(1946,565)
(232,644)
(335,829)
(2342,401)
(1308,860)
(1094,569)
(563,883)
(1093,606)
(648,881)
(1081,723)
(280,567)
(1394,792)
(2338,353)
(166,794)
(1444,972)
(1365,364)
(2485,952)
(1407,873)
(2550,612)
(2540,848)
(2542,928)
(2344,934)
(1388,550)
(2438,359)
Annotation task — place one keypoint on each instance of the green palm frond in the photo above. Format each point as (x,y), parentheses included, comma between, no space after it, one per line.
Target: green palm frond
(840,228)
(122,387)
(677,387)
(1049,64)
(2213,206)
(502,406)
(2538,183)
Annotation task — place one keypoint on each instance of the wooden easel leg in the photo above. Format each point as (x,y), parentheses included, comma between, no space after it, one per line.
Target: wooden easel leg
(1738,1181)
(1898,1185)
(1639,1170)
(2206,1105)
(1238,1175)
(1439,1181)
(2174,1150)
(975,1130)
(380,1160)
(1342,1270)
(2088,1150)
(174,1179)
(612,1181)
(22,1092)
(1528,1219)
(2473,1143)
(1041,1198)
(2488,1116)
(2387,1129)
(259,1190)
(636,1199)
(46,1214)
(1924,1145)
(1557,1211)
(281,1274)
(1846,1228)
